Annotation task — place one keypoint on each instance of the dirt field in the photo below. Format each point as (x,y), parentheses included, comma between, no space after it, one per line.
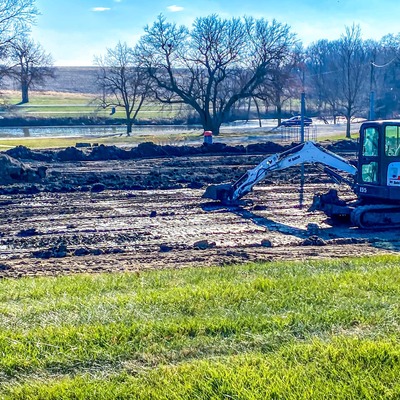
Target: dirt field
(160,219)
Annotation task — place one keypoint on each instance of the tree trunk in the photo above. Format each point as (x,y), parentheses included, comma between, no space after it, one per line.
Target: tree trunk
(24,93)
(279,113)
(348,133)
(248,110)
(258,112)
(129,122)
(129,128)
(214,128)
(210,124)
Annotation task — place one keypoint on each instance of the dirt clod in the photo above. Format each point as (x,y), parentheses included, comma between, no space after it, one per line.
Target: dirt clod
(203,244)
(266,243)
(313,241)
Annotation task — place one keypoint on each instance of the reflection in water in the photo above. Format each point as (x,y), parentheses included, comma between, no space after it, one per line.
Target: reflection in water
(26,132)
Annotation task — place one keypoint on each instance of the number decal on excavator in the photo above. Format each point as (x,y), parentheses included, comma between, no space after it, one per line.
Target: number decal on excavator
(363,190)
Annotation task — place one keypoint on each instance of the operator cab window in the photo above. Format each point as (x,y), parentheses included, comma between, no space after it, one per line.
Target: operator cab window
(369,172)
(370,144)
(392,140)
(369,167)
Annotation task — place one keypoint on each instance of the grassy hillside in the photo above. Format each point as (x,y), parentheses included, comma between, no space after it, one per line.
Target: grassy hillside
(71,94)
(304,330)
(67,79)
(59,108)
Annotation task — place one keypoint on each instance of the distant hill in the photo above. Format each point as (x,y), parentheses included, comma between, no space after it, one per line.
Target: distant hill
(67,79)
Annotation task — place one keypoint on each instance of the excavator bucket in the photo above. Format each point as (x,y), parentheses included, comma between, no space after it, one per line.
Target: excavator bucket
(220,192)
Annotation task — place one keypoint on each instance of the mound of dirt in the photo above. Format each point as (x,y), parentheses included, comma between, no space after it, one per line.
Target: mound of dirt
(103,152)
(12,170)
(143,150)
(343,145)
(71,154)
(24,153)
(146,167)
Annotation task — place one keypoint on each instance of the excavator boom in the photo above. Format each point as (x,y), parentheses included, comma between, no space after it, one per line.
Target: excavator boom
(308,152)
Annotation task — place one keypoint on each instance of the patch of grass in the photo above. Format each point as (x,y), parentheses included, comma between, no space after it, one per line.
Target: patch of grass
(346,368)
(42,143)
(60,104)
(336,137)
(39,98)
(63,142)
(277,330)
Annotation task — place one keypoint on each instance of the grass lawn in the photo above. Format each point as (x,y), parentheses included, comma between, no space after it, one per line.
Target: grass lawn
(60,104)
(177,139)
(287,330)
(39,98)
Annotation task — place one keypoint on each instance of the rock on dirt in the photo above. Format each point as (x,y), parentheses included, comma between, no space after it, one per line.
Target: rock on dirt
(203,244)
(313,241)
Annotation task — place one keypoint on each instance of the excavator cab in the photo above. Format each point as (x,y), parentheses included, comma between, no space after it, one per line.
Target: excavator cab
(378,177)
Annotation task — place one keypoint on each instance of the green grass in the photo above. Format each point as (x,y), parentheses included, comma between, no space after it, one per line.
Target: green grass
(63,142)
(336,137)
(179,138)
(298,330)
(58,105)
(38,98)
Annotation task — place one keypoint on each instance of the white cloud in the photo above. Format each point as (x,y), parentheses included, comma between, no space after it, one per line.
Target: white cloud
(100,9)
(175,8)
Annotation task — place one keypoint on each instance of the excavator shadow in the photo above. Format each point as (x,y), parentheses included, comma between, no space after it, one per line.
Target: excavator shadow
(244,213)
(338,233)
(272,225)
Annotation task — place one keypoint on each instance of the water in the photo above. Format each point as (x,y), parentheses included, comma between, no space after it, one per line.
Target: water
(92,131)
(112,130)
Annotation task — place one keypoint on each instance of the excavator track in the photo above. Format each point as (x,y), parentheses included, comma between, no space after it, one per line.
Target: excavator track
(376,216)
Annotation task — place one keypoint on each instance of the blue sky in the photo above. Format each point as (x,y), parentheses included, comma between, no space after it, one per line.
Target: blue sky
(74,31)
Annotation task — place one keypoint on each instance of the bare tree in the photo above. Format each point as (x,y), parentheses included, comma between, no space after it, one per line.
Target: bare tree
(385,76)
(341,73)
(323,76)
(123,82)
(354,83)
(31,65)
(15,18)
(280,83)
(215,64)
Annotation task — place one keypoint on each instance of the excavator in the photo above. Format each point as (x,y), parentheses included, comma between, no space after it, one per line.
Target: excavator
(375,180)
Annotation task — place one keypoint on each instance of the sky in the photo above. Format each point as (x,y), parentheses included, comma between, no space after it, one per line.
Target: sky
(75,31)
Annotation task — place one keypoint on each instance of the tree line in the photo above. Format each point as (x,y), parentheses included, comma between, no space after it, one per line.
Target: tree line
(217,64)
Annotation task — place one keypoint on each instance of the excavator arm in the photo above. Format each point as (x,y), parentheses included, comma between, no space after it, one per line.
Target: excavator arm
(308,152)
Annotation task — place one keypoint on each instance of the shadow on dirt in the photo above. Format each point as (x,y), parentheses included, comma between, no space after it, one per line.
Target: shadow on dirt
(270,224)
(337,234)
